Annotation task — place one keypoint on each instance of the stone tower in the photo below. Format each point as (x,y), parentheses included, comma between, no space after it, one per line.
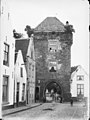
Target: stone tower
(52,41)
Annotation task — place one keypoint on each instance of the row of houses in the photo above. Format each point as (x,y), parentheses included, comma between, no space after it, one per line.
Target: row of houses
(17,64)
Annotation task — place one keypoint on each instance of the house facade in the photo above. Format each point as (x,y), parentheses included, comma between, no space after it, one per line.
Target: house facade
(52,42)
(31,78)
(27,48)
(79,83)
(7,43)
(20,78)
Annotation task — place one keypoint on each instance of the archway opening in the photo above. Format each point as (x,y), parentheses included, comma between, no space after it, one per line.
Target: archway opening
(53,92)
(37,94)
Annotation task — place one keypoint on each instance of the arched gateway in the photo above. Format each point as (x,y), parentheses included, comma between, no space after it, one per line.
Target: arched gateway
(52,42)
(53,91)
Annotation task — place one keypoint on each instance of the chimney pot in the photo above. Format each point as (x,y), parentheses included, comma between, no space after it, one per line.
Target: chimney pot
(67,23)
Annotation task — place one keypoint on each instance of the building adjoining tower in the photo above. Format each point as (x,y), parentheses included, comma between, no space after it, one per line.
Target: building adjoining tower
(52,42)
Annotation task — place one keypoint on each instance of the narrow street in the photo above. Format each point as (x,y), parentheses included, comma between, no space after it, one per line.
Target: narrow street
(51,111)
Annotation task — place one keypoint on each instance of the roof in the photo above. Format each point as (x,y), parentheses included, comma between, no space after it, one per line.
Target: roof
(73,69)
(22,45)
(50,24)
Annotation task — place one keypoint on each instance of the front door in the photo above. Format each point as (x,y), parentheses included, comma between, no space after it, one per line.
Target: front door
(37,95)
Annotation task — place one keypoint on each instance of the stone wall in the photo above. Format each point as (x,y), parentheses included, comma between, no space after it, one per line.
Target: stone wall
(62,56)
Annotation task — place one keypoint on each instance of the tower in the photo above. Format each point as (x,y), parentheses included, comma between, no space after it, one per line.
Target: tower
(53,40)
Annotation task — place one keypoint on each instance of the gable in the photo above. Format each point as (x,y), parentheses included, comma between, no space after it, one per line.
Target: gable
(79,71)
(19,58)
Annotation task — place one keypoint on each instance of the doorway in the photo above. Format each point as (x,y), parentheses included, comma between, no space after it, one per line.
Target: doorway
(17,94)
(53,92)
(37,94)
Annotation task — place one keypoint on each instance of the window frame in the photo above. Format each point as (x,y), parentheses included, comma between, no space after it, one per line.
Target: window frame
(81,88)
(6,54)
(80,76)
(5,100)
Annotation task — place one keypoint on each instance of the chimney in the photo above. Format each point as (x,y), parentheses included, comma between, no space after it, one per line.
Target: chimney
(67,23)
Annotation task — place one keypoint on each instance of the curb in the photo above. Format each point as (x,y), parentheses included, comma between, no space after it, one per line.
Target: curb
(21,110)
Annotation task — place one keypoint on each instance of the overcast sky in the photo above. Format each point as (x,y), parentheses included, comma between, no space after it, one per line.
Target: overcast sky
(33,12)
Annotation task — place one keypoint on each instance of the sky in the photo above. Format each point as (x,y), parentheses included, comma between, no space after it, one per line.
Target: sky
(33,12)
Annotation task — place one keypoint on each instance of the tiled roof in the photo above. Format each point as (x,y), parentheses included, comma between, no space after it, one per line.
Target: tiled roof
(73,69)
(22,45)
(50,24)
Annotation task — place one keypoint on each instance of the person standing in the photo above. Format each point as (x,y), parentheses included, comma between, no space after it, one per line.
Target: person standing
(71,102)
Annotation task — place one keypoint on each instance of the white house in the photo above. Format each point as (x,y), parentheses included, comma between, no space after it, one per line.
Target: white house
(79,83)
(7,49)
(19,80)
(27,48)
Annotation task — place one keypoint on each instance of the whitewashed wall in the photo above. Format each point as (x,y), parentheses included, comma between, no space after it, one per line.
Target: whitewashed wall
(20,63)
(75,82)
(7,37)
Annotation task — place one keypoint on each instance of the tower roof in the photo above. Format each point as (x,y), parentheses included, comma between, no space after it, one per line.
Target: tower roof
(50,24)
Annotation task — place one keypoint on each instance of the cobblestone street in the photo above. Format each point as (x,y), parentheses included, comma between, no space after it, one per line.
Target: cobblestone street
(51,111)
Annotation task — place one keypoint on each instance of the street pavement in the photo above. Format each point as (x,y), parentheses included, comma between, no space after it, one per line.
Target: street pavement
(51,111)
(19,109)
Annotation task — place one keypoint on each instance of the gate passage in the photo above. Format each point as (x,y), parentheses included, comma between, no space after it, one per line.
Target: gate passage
(53,92)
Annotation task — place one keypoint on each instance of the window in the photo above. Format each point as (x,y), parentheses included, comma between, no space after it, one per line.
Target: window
(21,71)
(6,54)
(52,69)
(8,15)
(32,67)
(23,91)
(31,54)
(80,89)
(80,77)
(52,49)
(18,85)
(53,45)
(5,89)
